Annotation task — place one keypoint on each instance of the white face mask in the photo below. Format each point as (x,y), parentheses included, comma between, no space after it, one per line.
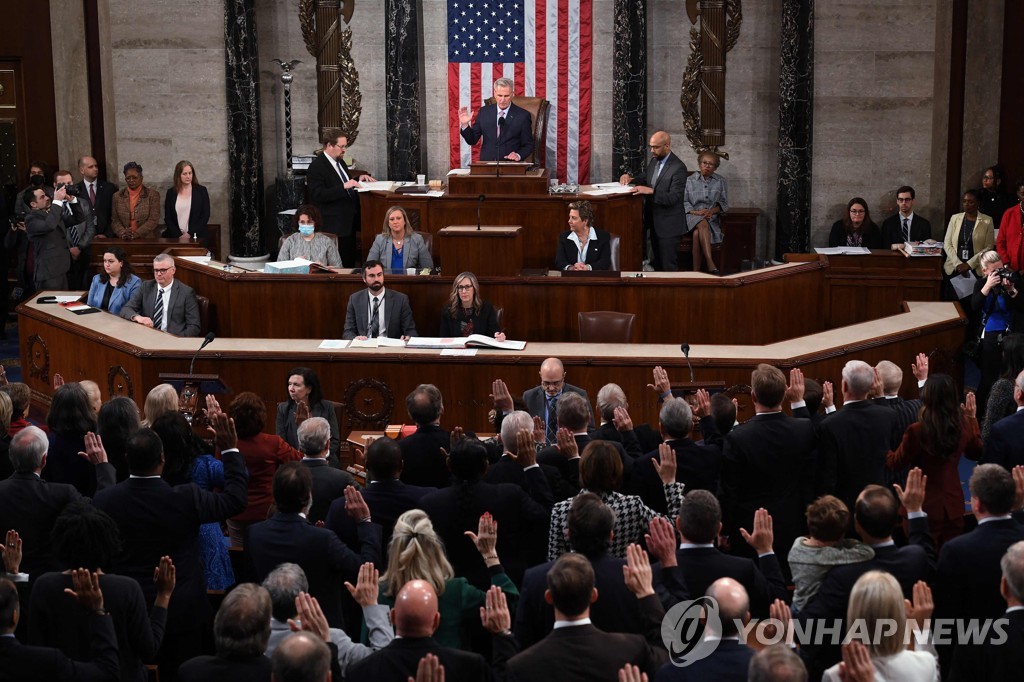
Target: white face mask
(305,230)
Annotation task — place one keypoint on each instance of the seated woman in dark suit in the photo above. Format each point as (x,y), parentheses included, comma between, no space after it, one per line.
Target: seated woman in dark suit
(583,247)
(305,399)
(113,287)
(856,228)
(397,246)
(187,207)
(467,313)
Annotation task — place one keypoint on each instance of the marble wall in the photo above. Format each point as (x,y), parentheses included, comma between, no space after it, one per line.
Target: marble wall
(71,84)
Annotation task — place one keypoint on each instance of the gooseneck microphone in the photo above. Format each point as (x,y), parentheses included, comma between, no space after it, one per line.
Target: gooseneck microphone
(206,342)
(685,347)
(479,201)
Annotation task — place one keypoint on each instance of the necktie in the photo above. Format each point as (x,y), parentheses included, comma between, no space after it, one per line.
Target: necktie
(657,173)
(158,311)
(906,230)
(501,117)
(375,319)
(92,193)
(72,229)
(552,426)
(341,169)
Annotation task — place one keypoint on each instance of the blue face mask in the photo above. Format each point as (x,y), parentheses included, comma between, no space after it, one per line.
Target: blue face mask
(305,230)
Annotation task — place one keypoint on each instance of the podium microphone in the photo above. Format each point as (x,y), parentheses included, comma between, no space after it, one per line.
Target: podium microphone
(479,200)
(685,347)
(501,127)
(206,342)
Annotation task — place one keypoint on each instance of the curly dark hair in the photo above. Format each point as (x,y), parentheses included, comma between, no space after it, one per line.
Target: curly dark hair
(249,413)
(85,537)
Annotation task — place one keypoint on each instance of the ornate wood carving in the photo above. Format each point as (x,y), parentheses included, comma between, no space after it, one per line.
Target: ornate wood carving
(119,383)
(339,102)
(39,358)
(368,404)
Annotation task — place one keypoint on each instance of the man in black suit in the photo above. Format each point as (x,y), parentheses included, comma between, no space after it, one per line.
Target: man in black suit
(768,462)
(79,235)
(590,523)
(890,377)
(905,226)
(332,191)
(241,630)
(386,496)
(572,437)
(613,408)
(507,130)
(156,519)
(99,193)
(1005,444)
(575,648)
(664,185)
(164,304)
(542,401)
(856,439)
(509,470)
(314,436)
(26,663)
(288,537)
(376,311)
(416,617)
(423,461)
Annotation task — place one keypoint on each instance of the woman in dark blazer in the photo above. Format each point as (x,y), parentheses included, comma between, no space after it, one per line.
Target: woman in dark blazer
(190,199)
(584,238)
(306,397)
(467,313)
(856,228)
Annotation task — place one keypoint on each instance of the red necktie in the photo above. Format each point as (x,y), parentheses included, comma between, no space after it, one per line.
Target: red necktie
(92,193)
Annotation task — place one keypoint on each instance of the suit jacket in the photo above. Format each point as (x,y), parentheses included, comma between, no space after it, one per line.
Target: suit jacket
(598,256)
(415,253)
(507,470)
(198,216)
(698,467)
(21,663)
(967,585)
(1005,445)
(983,238)
(399,659)
(217,669)
(584,652)
(327,561)
(854,444)
(892,229)
(48,235)
(182,311)
(536,400)
(665,208)
(993,661)
(120,296)
(485,322)
(286,428)
(338,206)
(396,306)
(86,226)
(871,236)
(516,134)
(328,485)
(147,214)
(422,461)
(906,414)
(104,204)
(729,663)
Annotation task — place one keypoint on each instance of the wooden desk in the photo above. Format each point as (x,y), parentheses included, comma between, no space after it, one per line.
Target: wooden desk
(142,251)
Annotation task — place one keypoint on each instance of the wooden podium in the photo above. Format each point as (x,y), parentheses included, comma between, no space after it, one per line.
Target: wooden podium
(507,177)
(491,251)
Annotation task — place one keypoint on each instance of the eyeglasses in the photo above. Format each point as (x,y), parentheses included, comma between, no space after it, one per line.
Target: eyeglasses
(856,211)
(988,177)
(464,287)
(160,271)
(655,146)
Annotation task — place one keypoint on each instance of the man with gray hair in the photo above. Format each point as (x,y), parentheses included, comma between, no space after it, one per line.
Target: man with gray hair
(162,303)
(31,505)
(616,425)
(314,436)
(507,129)
(286,582)
(776,663)
(1005,444)
(240,632)
(856,439)
(508,468)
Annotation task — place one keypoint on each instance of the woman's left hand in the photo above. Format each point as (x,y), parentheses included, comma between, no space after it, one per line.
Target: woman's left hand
(500,336)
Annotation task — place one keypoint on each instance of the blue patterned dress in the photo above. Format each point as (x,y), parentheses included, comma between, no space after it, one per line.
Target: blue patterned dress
(208,474)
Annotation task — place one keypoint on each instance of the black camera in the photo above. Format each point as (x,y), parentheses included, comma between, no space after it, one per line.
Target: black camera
(72,190)
(1007,275)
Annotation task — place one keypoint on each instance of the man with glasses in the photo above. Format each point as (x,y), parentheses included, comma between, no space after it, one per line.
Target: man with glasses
(905,226)
(332,190)
(164,304)
(542,401)
(664,185)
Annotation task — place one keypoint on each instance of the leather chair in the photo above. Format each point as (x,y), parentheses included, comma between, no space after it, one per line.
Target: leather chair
(538,108)
(428,241)
(606,326)
(204,314)
(499,313)
(614,245)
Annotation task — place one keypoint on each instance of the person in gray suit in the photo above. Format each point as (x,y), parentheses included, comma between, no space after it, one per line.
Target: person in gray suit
(177,312)
(46,228)
(79,235)
(665,186)
(393,313)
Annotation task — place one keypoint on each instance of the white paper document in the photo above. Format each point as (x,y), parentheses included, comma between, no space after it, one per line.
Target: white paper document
(379,342)
(333,344)
(963,286)
(377,185)
(843,251)
(599,191)
(459,171)
(202,260)
(67,299)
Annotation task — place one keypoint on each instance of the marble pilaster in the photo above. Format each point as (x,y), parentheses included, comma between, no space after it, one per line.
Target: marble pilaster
(629,88)
(403,89)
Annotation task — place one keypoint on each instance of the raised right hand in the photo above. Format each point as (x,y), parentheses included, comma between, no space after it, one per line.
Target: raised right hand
(464,117)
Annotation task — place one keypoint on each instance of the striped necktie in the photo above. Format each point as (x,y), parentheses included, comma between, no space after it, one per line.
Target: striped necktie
(375,319)
(158,310)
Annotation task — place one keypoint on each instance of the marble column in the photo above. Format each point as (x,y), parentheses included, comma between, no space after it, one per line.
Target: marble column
(245,153)
(796,104)
(629,88)
(403,63)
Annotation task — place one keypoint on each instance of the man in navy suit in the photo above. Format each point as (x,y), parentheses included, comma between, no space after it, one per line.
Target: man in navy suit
(507,130)
(393,316)
(1005,444)
(332,191)
(99,194)
(905,226)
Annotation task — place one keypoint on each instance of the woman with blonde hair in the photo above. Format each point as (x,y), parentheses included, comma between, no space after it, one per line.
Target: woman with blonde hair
(417,553)
(397,246)
(162,398)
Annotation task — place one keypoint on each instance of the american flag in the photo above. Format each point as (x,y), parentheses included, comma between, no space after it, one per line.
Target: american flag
(544,46)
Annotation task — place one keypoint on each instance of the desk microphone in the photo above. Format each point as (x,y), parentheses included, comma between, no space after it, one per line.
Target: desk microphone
(479,200)
(206,342)
(501,127)
(685,347)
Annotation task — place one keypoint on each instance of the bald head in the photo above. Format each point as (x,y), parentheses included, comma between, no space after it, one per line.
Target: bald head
(415,612)
(552,376)
(660,144)
(733,604)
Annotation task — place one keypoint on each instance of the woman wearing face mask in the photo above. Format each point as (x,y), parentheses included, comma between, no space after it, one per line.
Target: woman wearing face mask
(136,210)
(307,242)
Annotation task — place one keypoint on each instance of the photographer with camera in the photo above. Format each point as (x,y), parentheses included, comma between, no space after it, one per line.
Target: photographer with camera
(80,234)
(997,298)
(48,230)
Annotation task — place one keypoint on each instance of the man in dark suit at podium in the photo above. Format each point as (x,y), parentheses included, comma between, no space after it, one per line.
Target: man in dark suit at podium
(905,226)
(507,130)
(332,191)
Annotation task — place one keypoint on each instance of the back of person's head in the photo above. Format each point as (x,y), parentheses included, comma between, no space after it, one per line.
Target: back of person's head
(6,410)
(699,517)
(301,657)
(28,448)
(249,412)
(20,395)
(590,523)
(876,511)
(424,404)
(241,627)
(608,398)
(571,584)
(733,604)
(776,663)
(313,435)
(573,412)
(415,613)
(144,452)
(1012,566)
(162,398)
(600,467)
(1012,358)
(859,376)
(8,605)
(70,413)
(877,599)
(813,395)
(118,418)
(92,392)
(384,459)
(416,553)
(891,375)
(827,519)
(676,418)
(468,460)
(85,537)
(293,488)
(513,423)
(181,446)
(994,487)
(283,584)
(723,412)
(768,385)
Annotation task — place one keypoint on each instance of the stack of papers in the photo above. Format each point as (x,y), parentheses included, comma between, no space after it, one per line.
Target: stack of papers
(471,341)
(379,342)
(843,251)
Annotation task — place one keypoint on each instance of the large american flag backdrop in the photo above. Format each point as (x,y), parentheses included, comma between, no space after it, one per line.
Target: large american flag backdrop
(544,46)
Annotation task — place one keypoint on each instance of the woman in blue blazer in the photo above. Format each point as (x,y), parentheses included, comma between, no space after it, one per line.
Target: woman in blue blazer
(190,199)
(112,288)
(398,247)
